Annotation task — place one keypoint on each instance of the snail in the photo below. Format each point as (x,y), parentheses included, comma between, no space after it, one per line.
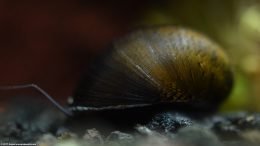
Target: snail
(163,66)
(152,70)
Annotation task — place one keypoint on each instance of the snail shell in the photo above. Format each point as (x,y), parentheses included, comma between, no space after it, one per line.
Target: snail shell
(158,65)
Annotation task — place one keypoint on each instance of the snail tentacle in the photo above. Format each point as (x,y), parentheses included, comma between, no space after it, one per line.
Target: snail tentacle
(40,90)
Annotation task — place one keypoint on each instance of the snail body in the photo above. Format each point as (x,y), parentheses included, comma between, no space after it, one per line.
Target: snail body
(157,66)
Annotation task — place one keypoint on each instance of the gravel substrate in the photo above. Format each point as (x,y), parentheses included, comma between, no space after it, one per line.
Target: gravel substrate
(46,126)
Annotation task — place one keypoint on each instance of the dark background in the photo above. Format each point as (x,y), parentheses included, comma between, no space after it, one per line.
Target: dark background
(51,42)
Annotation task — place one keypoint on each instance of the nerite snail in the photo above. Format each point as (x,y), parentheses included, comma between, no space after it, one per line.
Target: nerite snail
(159,65)
(156,66)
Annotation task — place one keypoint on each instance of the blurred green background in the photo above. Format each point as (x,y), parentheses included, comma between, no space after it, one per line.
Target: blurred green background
(51,42)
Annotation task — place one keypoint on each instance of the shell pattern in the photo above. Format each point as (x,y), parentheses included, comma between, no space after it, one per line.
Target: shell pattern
(156,65)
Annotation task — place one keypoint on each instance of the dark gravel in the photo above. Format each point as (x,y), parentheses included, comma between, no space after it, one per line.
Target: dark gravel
(42,124)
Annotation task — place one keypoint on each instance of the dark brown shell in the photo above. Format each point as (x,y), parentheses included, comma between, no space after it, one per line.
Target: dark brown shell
(157,65)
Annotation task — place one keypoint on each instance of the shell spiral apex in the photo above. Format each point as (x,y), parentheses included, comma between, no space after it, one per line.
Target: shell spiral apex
(157,65)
